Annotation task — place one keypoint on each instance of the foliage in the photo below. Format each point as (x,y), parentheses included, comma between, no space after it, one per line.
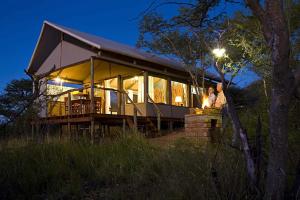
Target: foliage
(292,8)
(182,37)
(15,98)
(160,36)
(244,32)
(191,43)
(244,35)
(129,168)
(17,107)
(256,105)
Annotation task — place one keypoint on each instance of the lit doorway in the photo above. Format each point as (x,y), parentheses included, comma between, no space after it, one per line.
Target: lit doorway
(111,97)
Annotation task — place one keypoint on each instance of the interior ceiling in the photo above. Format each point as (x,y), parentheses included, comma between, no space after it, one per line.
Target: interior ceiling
(102,70)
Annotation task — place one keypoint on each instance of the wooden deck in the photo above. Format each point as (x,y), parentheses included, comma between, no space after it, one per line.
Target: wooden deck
(103,118)
(147,125)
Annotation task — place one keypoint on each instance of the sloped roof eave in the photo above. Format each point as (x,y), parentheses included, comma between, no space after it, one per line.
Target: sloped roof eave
(123,49)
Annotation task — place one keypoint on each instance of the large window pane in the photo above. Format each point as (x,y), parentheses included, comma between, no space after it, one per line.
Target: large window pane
(179,93)
(135,88)
(111,101)
(158,89)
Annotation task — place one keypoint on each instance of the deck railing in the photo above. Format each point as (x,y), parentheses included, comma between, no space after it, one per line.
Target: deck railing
(158,112)
(84,106)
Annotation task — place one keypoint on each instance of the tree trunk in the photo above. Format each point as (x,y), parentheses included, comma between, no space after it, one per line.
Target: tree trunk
(296,186)
(240,132)
(276,33)
(280,100)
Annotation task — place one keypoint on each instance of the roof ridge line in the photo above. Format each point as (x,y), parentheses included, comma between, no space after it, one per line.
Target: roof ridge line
(71,34)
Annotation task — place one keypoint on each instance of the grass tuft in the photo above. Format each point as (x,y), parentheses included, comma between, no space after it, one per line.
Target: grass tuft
(127,168)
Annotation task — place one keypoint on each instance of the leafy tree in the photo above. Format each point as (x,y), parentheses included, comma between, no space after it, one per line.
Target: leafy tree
(15,98)
(181,37)
(268,42)
(190,36)
(285,81)
(17,107)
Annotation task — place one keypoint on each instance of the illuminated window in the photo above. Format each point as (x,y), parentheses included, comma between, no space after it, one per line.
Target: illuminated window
(135,88)
(111,101)
(179,93)
(158,89)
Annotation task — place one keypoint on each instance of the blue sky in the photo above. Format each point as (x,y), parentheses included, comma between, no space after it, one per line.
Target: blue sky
(21,22)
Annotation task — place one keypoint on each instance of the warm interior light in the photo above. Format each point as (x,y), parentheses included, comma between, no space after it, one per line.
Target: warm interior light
(178,99)
(219,52)
(58,80)
(205,102)
(136,78)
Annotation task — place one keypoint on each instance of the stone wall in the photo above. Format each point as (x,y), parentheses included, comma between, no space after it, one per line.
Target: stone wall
(206,124)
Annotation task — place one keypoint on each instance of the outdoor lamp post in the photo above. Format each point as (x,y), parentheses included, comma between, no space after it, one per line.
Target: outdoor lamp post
(219,52)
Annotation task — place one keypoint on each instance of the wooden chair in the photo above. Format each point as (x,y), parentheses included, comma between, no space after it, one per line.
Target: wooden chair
(98,103)
(66,106)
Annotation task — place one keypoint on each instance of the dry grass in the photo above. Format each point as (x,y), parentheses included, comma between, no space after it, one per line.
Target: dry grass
(127,168)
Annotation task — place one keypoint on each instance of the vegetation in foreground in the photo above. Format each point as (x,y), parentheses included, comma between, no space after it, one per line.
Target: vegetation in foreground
(128,168)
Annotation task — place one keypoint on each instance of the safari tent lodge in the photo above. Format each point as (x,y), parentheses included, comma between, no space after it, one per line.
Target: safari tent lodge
(94,82)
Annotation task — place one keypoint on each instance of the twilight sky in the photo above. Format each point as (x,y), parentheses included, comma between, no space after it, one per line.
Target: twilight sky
(21,22)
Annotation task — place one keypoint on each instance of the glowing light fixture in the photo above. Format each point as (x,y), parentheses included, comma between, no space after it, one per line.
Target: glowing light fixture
(58,80)
(219,52)
(178,100)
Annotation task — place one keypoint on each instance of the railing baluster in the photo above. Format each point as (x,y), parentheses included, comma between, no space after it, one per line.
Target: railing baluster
(158,113)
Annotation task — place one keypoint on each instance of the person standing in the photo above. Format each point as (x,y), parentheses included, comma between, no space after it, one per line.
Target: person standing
(221,99)
(211,97)
(221,104)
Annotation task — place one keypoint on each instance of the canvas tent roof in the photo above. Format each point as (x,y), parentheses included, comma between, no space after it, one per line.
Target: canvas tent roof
(50,37)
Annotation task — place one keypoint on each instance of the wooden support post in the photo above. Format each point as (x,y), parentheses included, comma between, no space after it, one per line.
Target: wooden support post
(124,125)
(169,95)
(100,130)
(123,101)
(189,95)
(69,114)
(104,130)
(92,86)
(123,111)
(38,130)
(119,95)
(92,130)
(47,132)
(60,131)
(69,104)
(158,123)
(77,133)
(32,131)
(146,87)
(135,118)
(92,126)
(169,92)
(171,126)
(108,130)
